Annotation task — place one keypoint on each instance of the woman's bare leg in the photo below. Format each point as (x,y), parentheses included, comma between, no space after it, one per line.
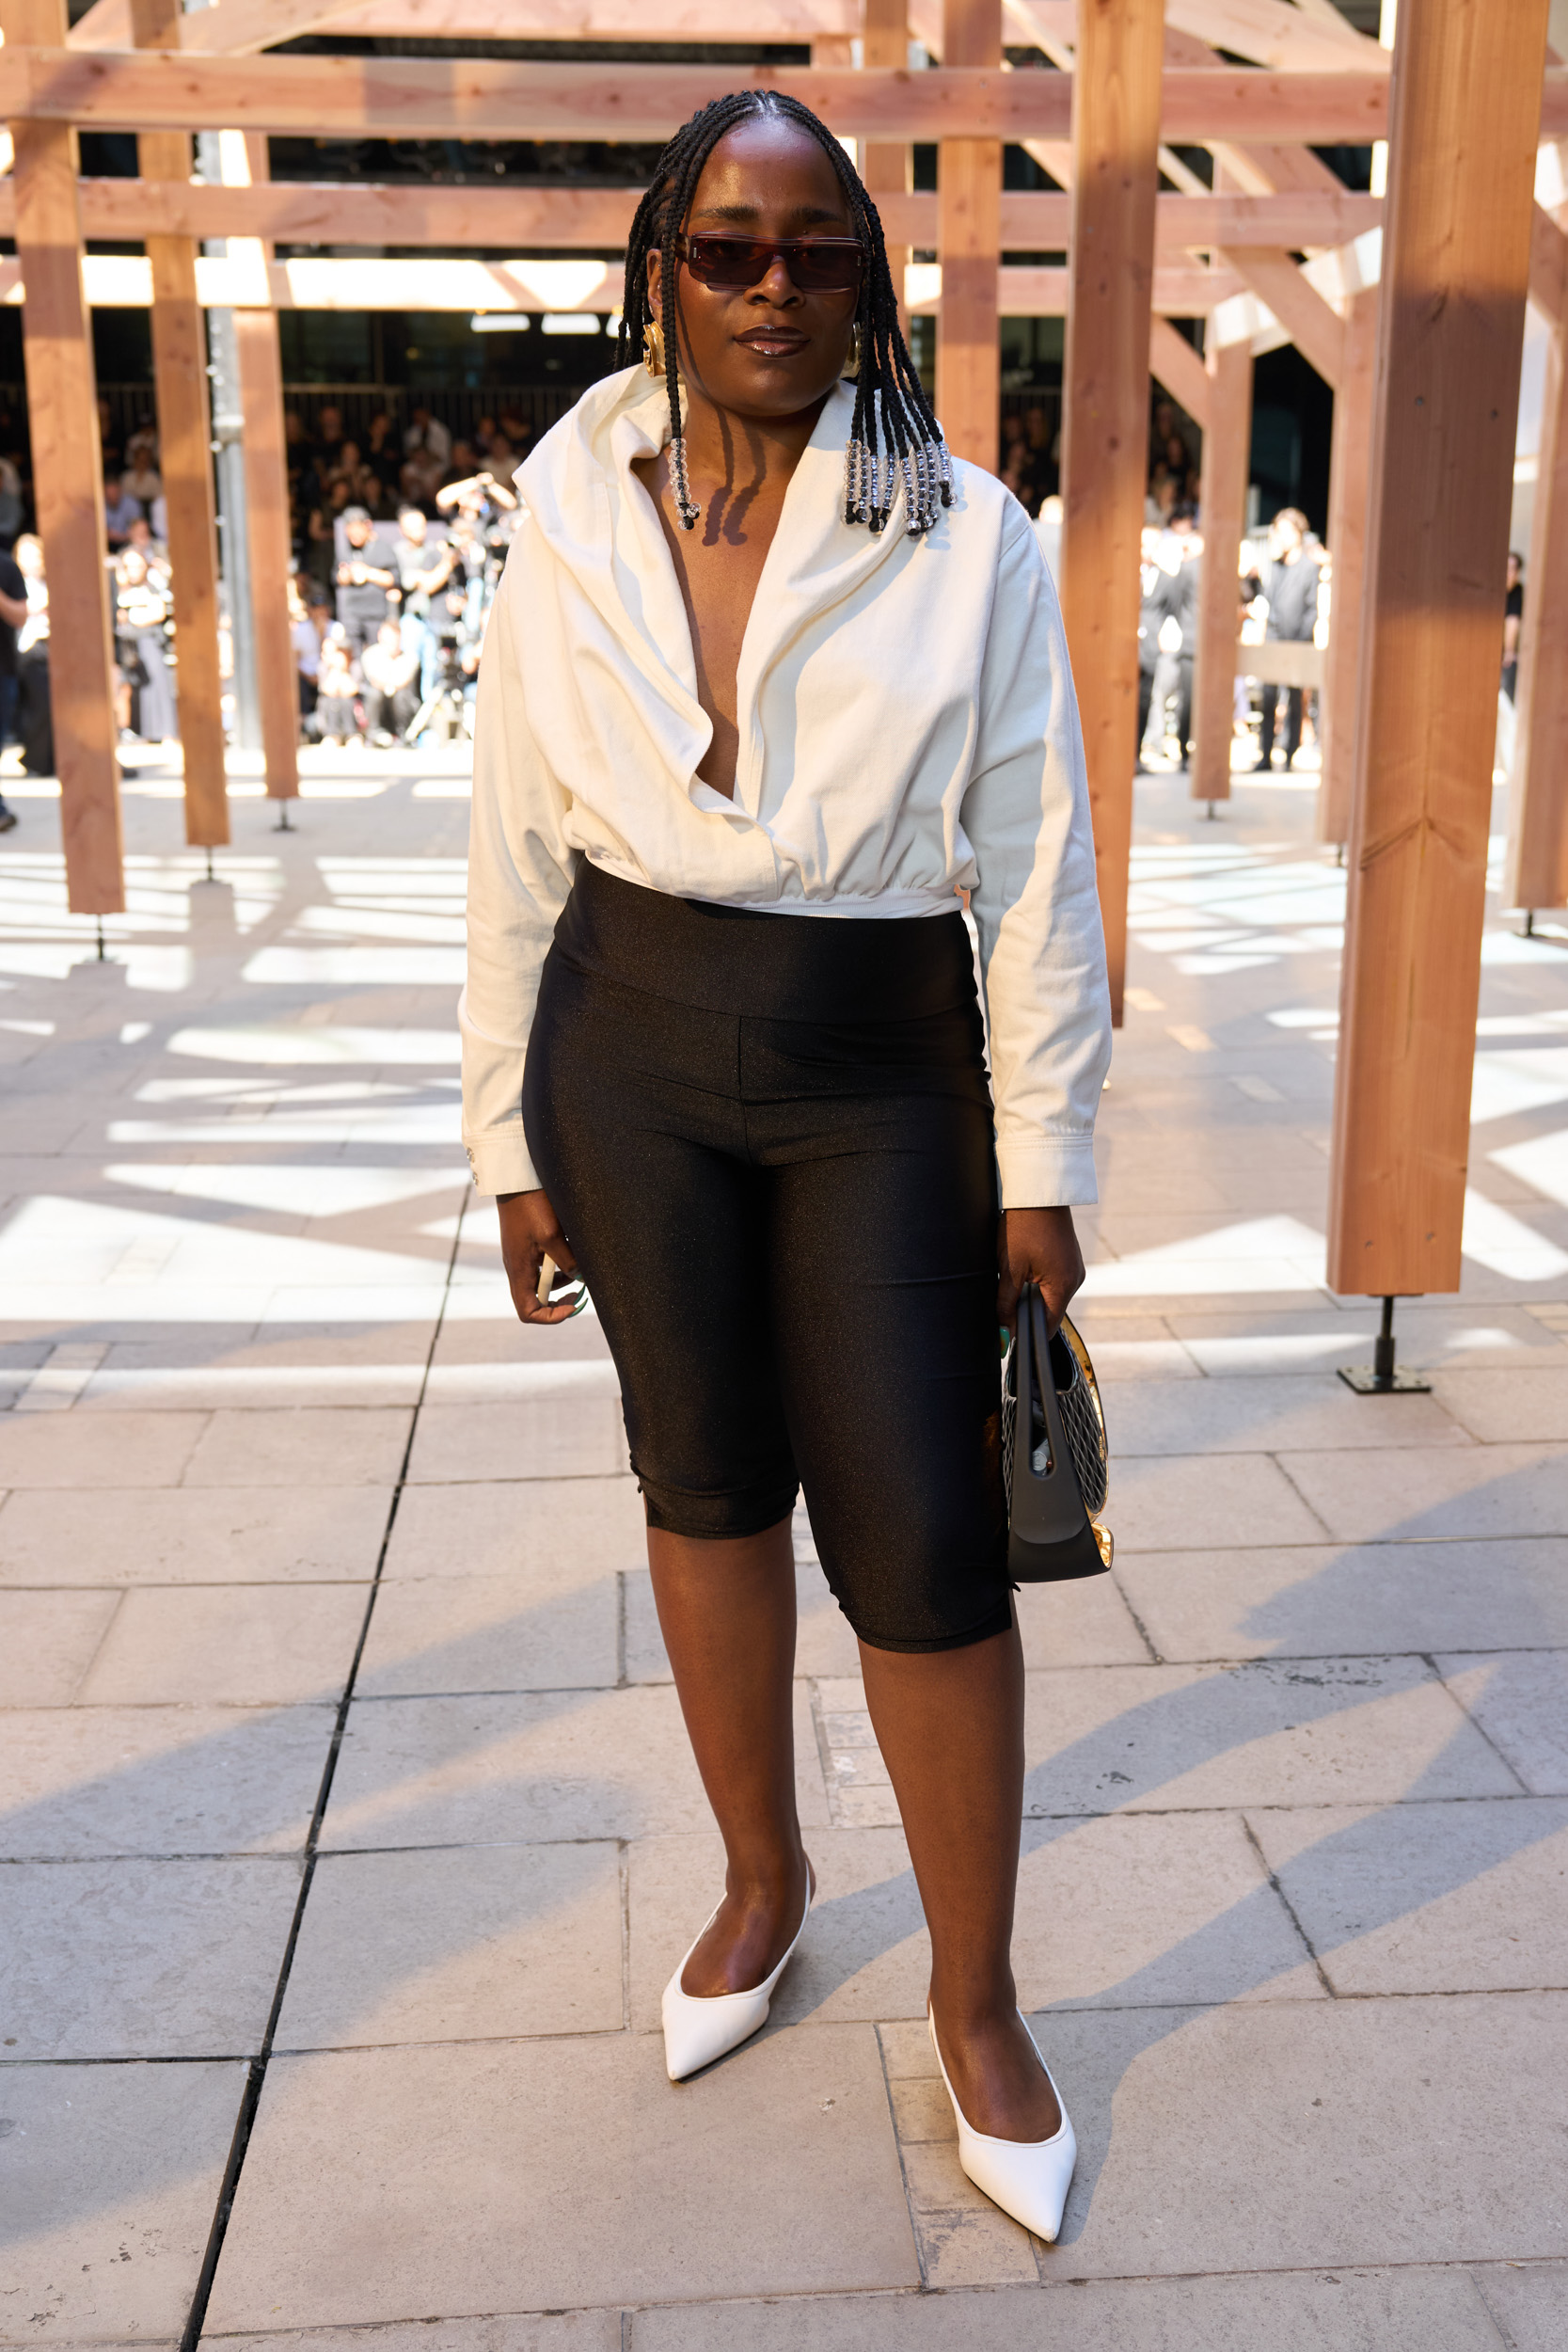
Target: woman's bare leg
(950,1725)
(727,1613)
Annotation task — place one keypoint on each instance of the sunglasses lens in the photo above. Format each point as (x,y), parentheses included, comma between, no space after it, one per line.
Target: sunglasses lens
(826,268)
(731,264)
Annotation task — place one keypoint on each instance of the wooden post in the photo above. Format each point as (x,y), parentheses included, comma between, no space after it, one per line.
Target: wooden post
(969,187)
(1116,135)
(1537,873)
(186,463)
(1464,115)
(1227,465)
(67,485)
(885,168)
(1349,485)
(267,490)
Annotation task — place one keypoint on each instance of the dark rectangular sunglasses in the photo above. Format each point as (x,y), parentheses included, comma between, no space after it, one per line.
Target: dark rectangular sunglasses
(732,264)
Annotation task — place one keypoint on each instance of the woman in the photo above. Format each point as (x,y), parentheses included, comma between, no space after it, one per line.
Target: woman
(760,696)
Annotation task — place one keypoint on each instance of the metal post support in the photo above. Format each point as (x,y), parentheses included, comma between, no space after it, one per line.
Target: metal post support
(1383,1377)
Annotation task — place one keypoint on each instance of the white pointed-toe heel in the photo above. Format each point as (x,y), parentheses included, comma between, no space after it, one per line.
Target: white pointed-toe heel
(1028,2178)
(700,2028)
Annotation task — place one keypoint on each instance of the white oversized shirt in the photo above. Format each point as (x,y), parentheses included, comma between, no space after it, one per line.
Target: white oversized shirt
(906,726)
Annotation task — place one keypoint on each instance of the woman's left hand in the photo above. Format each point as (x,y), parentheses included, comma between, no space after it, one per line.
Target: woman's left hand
(1037,1246)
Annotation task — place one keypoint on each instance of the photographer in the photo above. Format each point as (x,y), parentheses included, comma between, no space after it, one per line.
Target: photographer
(366,577)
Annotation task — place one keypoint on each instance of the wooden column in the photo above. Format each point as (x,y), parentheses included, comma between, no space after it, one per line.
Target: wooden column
(969,190)
(267,490)
(1464,114)
(1348,486)
(1227,466)
(1116,134)
(67,485)
(886,170)
(186,463)
(1537,873)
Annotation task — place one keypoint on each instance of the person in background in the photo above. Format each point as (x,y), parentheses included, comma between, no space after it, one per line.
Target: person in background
(10,502)
(1290,582)
(32,662)
(1184,547)
(329,439)
(334,682)
(429,436)
(390,673)
(141,637)
(309,622)
(119,511)
(1151,615)
(381,442)
(321,534)
(141,480)
(146,541)
(14,617)
(424,568)
(366,577)
(1513,620)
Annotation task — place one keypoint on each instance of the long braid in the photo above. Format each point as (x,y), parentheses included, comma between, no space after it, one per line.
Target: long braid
(894,442)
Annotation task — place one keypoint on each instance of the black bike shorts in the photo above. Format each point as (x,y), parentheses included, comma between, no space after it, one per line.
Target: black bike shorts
(768,1139)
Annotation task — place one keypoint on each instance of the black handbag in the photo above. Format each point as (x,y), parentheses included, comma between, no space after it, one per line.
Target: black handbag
(1053,1452)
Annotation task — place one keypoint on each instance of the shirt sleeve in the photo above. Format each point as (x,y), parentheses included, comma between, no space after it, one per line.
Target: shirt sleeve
(1036,905)
(520,870)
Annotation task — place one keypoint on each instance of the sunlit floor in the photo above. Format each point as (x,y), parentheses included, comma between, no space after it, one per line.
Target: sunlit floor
(349,1827)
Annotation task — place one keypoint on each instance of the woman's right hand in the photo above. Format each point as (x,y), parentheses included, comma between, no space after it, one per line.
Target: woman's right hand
(530,1232)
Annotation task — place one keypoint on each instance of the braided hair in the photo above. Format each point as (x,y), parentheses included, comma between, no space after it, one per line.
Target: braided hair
(894,440)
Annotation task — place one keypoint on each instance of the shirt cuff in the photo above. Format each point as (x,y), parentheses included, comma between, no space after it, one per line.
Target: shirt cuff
(1048,1172)
(500,1161)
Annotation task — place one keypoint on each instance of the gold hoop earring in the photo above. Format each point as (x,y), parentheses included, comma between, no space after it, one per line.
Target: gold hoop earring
(853,357)
(653,350)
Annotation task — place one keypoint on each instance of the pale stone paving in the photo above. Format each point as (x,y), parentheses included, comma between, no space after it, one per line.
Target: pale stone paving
(1292,1916)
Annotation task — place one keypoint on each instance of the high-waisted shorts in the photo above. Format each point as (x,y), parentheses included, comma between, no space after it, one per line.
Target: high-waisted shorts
(768,1139)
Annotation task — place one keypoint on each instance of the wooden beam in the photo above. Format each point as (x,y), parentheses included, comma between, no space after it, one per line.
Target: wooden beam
(1222,497)
(1105,415)
(887,166)
(68,488)
(1313,325)
(509,219)
(266,505)
(1174,363)
(238,27)
(968,193)
(482,98)
(1536,871)
(1548,266)
(1275,34)
(1349,490)
(1466,119)
(185,466)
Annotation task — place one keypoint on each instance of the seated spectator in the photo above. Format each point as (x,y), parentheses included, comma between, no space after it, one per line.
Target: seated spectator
(367,578)
(335,718)
(321,534)
(329,438)
(141,480)
(32,662)
(146,541)
(392,694)
(119,511)
(109,441)
(13,618)
(144,697)
(10,502)
(308,621)
(427,434)
(381,442)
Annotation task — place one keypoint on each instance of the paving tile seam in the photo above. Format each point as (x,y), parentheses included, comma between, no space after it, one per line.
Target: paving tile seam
(1155,1655)
(898,2144)
(1468,1714)
(1286,1905)
(256,2071)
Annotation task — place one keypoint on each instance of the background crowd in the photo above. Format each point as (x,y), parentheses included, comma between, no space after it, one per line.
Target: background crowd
(399,531)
